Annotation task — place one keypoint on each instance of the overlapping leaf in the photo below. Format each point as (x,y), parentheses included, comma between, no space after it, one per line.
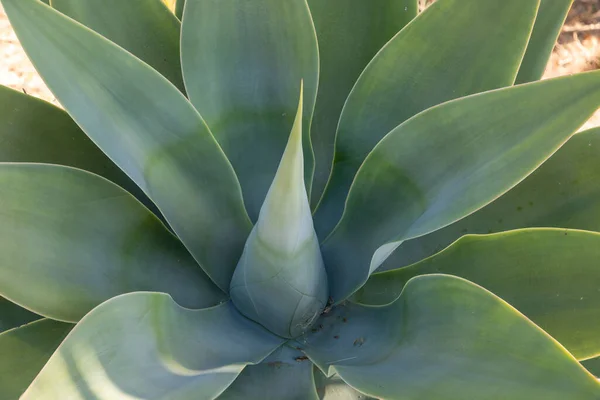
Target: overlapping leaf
(146,28)
(435,59)
(562,193)
(243,62)
(12,316)
(146,126)
(23,353)
(350,33)
(446,163)
(550,18)
(446,338)
(550,275)
(143,345)
(285,375)
(70,240)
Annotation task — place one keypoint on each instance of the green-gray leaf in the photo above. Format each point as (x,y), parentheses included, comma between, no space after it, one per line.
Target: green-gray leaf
(146,28)
(350,33)
(146,126)
(550,275)
(32,130)
(562,193)
(435,59)
(179,5)
(243,62)
(593,365)
(549,21)
(70,240)
(12,316)
(284,375)
(145,346)
(334,388)
(23,353)
(448,162)
(447,338)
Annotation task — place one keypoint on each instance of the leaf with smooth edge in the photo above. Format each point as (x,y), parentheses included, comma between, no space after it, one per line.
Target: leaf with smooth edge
(11,315)
(146,28)
(334,388)
(550,275)
(179,5)
(548,23)
(562,193)
(280,280)
(448,162)
(284,375)
(145,346)
(433,60)
(52,137)
(593,365)
(70,240)
(146,126)
(446,338)
(242,64)
(350,33)
(23,353)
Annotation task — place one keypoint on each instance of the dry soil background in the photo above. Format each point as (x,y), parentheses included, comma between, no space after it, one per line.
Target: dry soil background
(577,50)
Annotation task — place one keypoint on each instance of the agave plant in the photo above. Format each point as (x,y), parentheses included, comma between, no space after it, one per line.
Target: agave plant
(291,199)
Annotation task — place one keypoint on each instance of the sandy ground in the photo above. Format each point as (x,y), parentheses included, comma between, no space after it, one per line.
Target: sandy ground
(577,50)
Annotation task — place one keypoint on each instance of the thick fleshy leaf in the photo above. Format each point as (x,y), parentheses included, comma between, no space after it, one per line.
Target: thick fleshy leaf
(350,33)
(549,21)
(70,240)
(285,375)
(446,338)
(146,126)
(593,365)
(145,346)
(448,162)
(563,192)
(243,62)
(435,59)
(550,275)
(179,5)
(12,316)
(23,353)
(334,388)
(32,130)
(146,28)
(282,259)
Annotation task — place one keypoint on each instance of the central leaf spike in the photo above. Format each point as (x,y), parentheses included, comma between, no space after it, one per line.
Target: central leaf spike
(280,280)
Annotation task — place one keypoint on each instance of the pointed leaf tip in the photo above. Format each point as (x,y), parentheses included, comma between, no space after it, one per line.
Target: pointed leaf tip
(280,280)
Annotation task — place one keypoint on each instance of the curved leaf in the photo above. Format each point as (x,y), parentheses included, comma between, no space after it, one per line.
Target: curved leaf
(334,388)
(23,353)
(243,62)
(12,316)
(446,338)
(435,59)
(52,137)
(593,365)
(282,258)
(350,33)
(562,193)
(285,375)
(550,275)
(146,28)
(146,126)
(179,5)
(548,23)
(70,240)
(143,345)
(446,163)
